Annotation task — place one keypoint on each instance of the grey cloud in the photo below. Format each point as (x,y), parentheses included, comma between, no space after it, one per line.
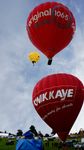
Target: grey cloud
(18,76)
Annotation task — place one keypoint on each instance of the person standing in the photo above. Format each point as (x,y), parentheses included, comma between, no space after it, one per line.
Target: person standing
(28,142)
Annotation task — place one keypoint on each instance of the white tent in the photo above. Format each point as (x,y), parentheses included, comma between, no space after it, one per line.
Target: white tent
(4,134)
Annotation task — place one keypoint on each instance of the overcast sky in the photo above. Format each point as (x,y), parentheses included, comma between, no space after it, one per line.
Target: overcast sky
(18,76)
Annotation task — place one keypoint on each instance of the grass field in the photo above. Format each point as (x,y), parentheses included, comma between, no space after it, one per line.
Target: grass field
(3,145)
(51,145)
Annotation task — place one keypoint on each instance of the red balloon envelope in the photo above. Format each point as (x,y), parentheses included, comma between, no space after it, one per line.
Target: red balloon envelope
(50,27)
(58,99)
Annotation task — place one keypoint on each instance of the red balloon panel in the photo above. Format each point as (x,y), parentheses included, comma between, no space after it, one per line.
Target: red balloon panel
(50,26)
(58,99)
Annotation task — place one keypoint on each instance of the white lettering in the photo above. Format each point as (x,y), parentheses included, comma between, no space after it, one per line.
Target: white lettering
(70,93)
(44,96)
(66,17)
(58,94)
(62,15)
(38,100)
(61,94)
(47,12)
(57,13)
(51,96)
(64,93)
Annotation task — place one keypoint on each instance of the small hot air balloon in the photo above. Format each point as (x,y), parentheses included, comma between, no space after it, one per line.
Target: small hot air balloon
(50,27)
(34,57)
(58,99)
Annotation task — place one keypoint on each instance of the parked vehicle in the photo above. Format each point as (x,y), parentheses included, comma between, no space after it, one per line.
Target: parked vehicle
(79,145)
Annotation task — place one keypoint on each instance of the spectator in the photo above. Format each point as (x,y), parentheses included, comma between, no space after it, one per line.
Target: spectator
(29,142)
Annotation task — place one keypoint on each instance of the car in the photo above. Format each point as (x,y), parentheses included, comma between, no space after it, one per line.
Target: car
(10,142)
(79,145)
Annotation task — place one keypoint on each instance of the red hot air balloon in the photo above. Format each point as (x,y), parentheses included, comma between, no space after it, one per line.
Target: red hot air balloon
(50,27)
(58,99)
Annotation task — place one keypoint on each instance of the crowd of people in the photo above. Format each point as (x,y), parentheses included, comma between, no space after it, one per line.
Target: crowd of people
(29,141)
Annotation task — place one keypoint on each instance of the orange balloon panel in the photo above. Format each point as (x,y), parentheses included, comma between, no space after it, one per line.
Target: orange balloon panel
(58,99)
(50,27)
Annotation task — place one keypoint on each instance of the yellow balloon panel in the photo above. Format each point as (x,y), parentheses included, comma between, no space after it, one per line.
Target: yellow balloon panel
(34,57)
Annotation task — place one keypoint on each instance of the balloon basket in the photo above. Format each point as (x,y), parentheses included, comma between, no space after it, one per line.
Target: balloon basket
(50,61)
